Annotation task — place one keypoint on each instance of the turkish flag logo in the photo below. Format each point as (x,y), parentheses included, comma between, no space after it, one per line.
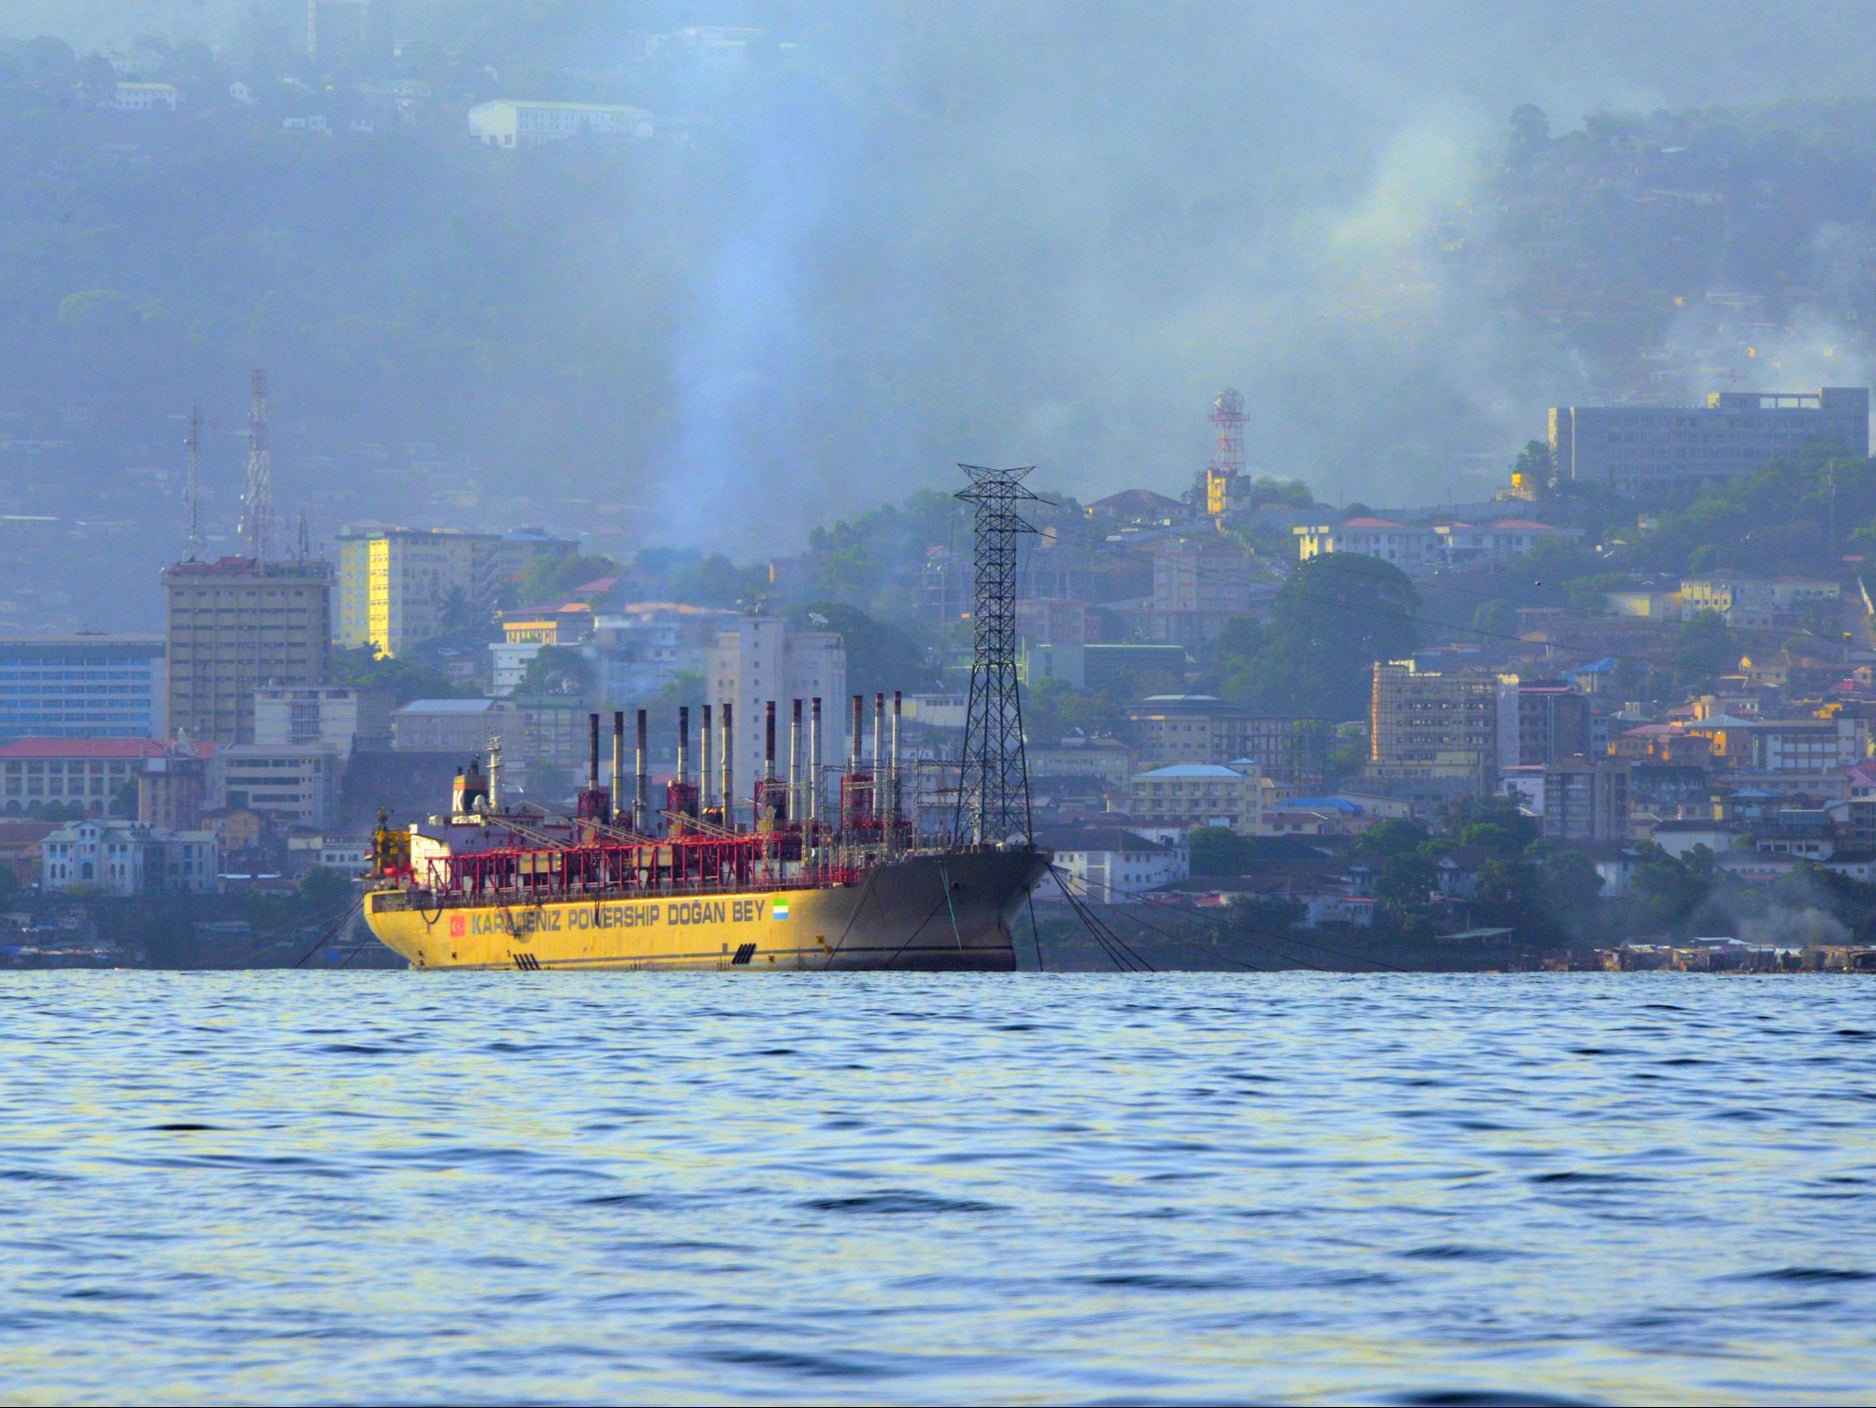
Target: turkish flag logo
(458,926)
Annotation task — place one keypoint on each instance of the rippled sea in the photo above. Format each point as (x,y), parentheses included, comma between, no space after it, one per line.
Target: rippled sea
(1406,1189)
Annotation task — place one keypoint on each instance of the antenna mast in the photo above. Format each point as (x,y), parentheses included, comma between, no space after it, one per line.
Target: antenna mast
(257,508)
(194,487)
(993,785)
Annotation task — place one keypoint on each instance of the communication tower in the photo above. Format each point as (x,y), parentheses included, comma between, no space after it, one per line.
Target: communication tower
(1225,473)
(194,487)
(993,787)
(257,500)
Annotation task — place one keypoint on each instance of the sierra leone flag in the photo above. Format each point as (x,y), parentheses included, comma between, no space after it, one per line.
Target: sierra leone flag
(781,909)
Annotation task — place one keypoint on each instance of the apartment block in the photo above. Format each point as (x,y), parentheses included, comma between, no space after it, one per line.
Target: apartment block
(292,786)
(237,625)
(1552,723)
(1198,794)
(506,122)
(761,659)
(1291,750)
(1430,726)
(1586,800)
(399,587)
(81,686)
(1644,449)
(326,716)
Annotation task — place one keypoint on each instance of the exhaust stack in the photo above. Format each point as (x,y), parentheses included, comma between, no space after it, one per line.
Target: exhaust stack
(642,804)
(729,770)
(618,763)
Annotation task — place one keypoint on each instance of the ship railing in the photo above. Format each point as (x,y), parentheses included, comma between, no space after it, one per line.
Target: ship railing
(446,890)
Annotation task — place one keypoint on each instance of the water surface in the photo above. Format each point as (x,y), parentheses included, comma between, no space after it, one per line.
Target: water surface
(1039,1187)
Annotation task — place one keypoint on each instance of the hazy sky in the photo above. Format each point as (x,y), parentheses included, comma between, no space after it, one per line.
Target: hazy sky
(1051,232)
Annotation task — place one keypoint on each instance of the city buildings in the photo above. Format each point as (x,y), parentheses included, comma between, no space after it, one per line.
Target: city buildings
(1112,865)
(1552,722)
(327,716)
(81,686)
(146,97)
(1417,546)
(1648,449)
(399,587)
(761,659)
(173,787)
(98,775)
(461,726)
(507,122)
(1197,794)
(1431,727)
(1586,800)
(124,859)
(235,625)
(290,786)
(1293,751)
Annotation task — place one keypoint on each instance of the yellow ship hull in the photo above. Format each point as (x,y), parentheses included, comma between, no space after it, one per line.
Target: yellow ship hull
(924,912)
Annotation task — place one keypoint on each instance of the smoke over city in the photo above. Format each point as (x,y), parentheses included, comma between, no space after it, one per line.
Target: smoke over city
(887,238)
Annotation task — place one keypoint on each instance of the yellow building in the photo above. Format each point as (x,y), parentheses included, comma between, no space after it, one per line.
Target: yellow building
(399,587)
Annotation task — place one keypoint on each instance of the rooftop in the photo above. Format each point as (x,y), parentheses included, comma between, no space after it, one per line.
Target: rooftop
(92,748)
(448,706)
(1195,770)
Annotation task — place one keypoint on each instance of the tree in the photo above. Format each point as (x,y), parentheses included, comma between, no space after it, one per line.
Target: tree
(558,670)
(880,658)
(1333,618)
(322,888)
(1405,881)
(1391,837)
(1217,850)
(1705,646)
(1536,468)
(547,578)
(360,667)
(1497,617)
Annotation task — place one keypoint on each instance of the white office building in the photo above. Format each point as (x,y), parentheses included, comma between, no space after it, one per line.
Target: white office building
(761,659)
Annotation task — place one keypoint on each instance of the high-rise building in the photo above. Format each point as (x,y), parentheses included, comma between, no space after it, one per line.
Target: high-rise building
(1553,723)
(1640,449)
(1434,727)
(761,659)
(1586,799)
(399,587)
(234,626)
(82,686)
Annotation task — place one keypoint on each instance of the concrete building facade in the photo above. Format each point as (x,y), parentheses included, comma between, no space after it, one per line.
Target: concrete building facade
(1436,727)
(1586,800)
(124,859)
(1198,794)
(763,659)
(1644,449)
(81,686)
(507,122)
(95,774)
(235,625)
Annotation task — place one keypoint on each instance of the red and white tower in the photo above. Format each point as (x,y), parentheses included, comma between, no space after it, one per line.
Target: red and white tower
(1224,474)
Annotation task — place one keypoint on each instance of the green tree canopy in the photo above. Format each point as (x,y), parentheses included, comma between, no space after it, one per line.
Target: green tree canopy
(1333,618)
(558,670)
